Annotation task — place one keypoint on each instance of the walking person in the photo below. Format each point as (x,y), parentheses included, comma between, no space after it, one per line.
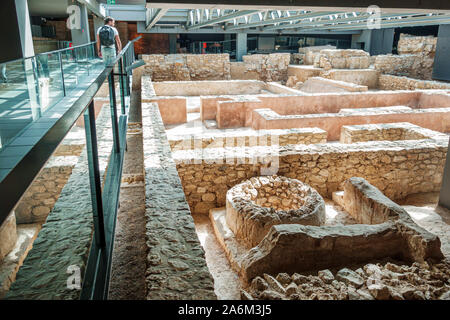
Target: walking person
(108,41)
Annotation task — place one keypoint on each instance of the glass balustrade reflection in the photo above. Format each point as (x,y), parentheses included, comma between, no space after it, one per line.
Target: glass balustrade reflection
(30,87)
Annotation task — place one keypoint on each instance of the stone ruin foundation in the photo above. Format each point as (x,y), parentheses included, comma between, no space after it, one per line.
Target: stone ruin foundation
(255,205)
(275,230)
(283,243)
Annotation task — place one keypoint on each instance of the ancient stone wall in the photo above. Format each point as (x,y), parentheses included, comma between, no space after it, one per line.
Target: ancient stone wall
(397,168)
(176,266)
(417,66)
(365,77)
(185,67)
(415,58)
(431,118)
(383,131)
(302,73)
(342,59)
(310,53)
(41,196)
(38,201)
(323,85)
(390,82)
(281,137)
(408,44)
(269,67)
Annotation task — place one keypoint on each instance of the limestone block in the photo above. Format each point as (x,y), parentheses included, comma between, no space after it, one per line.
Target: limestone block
(408,44)
(417,65)
(8,235)
(319,84)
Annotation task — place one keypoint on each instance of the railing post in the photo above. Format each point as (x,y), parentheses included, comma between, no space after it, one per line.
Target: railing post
(87,60)
(94,176)
(62,73)
(113,108)
(122,91)
(127,77)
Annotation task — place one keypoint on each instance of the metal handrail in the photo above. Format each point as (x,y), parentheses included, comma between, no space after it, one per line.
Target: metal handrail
(65,49)
(50,52)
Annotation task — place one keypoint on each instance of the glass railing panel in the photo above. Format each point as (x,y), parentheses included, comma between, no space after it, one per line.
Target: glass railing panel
(17,85)
(30,87)
(70,69)
(50,85)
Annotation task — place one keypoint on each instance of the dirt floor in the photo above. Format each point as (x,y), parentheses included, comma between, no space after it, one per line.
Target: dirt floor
(226,281)
(130,250)
(424,211)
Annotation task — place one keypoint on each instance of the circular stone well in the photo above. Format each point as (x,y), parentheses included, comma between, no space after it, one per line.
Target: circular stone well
(257,204)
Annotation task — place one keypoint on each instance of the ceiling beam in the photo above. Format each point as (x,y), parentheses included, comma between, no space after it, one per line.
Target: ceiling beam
(224,18)
(406,22)
(94,7)
(362,16)
(122,12)
(284,19)
(155,17)
(160,28)
(310,5)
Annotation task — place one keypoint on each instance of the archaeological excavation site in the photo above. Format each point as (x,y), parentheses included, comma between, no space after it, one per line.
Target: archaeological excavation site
(227,154)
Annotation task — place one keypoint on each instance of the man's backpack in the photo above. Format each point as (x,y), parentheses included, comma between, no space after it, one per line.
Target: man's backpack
(106,35)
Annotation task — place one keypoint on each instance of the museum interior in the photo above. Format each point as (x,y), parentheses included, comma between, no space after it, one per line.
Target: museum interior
(276,151)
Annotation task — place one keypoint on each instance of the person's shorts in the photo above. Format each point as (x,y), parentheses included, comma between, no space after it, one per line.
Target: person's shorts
(108,54)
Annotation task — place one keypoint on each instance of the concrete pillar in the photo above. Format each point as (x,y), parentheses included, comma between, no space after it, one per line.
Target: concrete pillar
(365,38)
(17,43)
(441,67)
(227,42)
(441,71)
(381,41)
(80,29)
(16,38)
(241,46)
(444,196)
(172,43)
(98,22)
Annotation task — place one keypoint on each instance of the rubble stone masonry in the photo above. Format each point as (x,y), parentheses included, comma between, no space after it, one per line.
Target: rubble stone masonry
(397,168)
(390,82)
(185,67)
(415,58)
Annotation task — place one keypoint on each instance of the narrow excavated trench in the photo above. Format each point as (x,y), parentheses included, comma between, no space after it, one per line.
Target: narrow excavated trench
(130,250)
